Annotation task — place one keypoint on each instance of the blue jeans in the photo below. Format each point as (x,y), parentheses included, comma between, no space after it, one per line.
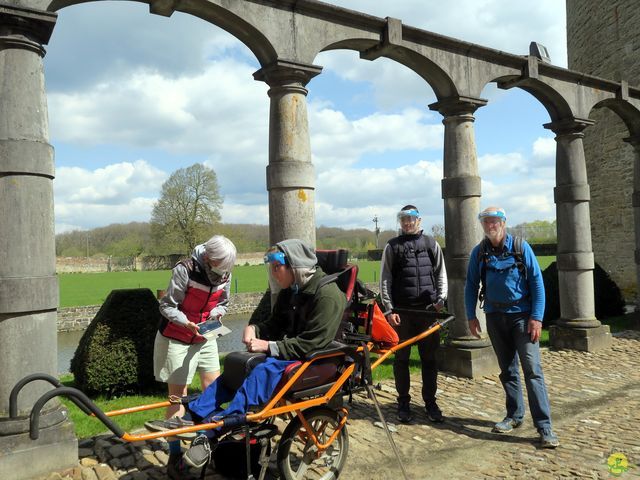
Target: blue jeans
(508,334)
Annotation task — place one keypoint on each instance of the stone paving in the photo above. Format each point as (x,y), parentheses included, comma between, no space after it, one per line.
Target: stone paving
(595,400)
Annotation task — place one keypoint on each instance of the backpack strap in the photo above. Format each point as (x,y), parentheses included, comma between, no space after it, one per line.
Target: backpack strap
(483,258)
(519,256)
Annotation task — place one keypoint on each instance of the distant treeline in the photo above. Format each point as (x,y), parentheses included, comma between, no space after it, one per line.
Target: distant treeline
(135,239)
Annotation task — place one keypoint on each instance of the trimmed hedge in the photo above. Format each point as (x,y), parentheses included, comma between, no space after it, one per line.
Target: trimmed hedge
(608,297)
(115,353)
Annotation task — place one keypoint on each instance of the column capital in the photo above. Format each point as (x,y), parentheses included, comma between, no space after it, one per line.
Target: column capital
(22,25)
(569,126)
(459,105)
(284,72)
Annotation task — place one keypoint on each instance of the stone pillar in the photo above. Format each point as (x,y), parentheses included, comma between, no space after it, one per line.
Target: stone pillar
(635,143)
(463,354)
(290,173)
(577,328)
(28,284)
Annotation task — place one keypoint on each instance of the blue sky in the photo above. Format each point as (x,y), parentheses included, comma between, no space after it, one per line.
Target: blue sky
(133,97)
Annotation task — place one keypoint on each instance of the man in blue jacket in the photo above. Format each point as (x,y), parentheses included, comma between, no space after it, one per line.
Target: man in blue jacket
(513,295)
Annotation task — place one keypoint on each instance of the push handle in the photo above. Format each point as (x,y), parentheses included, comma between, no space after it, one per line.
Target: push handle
(78,398)
(13,396)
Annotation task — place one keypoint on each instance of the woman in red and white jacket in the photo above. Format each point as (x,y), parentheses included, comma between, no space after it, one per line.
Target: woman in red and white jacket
(199,290)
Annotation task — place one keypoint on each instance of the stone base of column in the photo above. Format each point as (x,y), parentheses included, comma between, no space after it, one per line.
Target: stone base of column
(583,339)
(55,450)
(467,362)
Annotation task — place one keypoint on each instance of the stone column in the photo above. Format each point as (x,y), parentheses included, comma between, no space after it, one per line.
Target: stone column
(28,284)
(463,354)
(577,328)
(290,173)
(635,143)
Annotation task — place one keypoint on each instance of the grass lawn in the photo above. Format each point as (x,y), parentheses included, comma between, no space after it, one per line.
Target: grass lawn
(86,426)
(80,289)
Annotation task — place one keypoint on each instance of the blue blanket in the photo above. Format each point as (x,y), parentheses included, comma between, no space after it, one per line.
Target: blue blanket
(256,389)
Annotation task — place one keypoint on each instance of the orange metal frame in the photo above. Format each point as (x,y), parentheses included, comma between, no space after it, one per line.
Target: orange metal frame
(278,405)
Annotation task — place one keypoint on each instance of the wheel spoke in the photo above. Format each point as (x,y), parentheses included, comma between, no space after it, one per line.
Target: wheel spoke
(298,456)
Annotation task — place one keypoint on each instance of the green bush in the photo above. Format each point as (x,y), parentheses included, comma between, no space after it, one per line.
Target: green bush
(115,353)
(608,298)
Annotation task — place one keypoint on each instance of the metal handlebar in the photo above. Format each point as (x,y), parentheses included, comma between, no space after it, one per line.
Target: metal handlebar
(13,396)
(78,398)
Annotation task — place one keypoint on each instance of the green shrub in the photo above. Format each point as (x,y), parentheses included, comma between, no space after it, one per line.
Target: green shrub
(608,298)
(115,353)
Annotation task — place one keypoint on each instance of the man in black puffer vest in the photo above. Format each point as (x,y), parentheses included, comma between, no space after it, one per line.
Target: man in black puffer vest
(413,276)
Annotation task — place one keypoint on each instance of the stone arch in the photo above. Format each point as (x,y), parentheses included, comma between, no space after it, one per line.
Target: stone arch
(437,78)
(628,113)
(551,99)
(612,149)
(241,29)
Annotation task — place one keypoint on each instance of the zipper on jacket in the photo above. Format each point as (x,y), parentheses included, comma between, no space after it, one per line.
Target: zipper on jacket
(206,302)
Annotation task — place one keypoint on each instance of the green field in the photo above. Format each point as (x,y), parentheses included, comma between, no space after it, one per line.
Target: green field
(80,289)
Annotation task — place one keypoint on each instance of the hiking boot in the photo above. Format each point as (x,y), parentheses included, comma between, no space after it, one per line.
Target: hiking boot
(506,425)
(434,413)
(404,412)
(548,439)
(198,453)
(171,424)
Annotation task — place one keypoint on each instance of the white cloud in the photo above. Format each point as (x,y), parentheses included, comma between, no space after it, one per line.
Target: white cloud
(118,193)
(246,213)
(343,194)
(502,164)
(336,140)
(220,109)
(544,149)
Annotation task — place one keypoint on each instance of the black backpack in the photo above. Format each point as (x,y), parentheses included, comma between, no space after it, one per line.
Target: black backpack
(484,253)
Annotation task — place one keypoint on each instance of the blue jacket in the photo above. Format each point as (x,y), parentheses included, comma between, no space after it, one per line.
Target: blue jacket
(504,284)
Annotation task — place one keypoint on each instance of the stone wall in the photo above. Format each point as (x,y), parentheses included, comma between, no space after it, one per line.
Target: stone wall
(603,39)
(78,318)
(148,262)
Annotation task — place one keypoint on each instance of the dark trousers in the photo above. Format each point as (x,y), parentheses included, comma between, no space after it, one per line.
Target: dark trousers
(412,324)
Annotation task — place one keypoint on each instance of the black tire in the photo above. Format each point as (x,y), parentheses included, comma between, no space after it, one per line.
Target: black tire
(297,458)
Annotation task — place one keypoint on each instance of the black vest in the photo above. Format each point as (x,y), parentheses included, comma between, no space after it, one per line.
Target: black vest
(413,281)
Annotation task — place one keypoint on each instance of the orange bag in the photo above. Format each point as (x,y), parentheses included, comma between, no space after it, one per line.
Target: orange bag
(381,332)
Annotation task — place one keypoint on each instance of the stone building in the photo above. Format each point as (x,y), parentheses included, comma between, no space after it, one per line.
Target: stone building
(603,39)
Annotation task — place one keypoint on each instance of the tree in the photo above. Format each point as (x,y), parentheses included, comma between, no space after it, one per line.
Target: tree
(188,208)
(437,230)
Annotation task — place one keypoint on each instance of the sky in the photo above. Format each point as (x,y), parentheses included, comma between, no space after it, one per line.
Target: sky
(132,97)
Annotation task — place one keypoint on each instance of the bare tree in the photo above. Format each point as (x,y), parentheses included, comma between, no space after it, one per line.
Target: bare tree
(437,231)
(188,208)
